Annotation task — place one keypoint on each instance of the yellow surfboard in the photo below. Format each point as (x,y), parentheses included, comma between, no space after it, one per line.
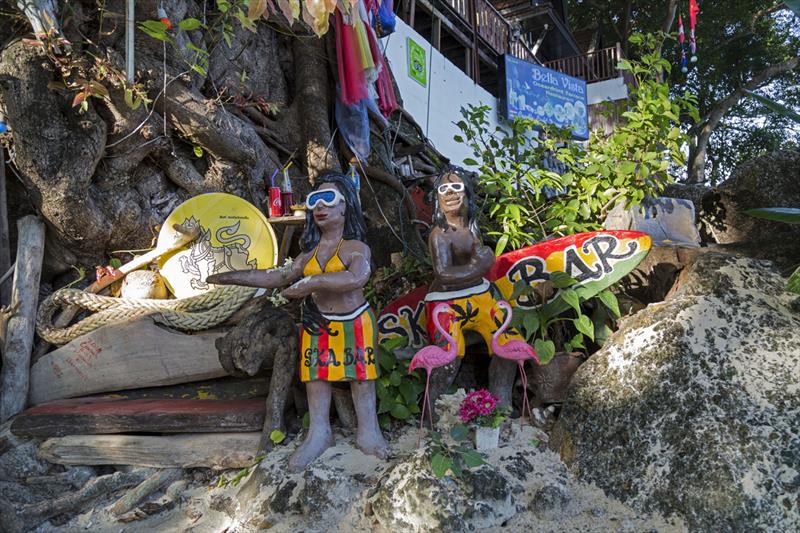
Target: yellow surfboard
(234,235)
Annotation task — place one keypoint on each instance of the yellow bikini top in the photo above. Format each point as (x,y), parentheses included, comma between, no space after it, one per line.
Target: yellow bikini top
(334,264)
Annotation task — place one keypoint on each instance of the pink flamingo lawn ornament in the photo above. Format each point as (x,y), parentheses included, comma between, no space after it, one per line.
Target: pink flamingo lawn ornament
(431,357)
(515,350)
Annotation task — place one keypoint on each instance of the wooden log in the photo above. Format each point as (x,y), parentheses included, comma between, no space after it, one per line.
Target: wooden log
(123,356)
(202,450)
(144,489)
(227,388)
(15,375)
(93,416)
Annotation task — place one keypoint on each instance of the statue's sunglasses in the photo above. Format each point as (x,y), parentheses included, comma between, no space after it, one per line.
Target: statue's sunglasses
(326,197)
(454,186)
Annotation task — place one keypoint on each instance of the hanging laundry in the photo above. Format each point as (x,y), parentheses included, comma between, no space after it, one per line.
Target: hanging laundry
(387,102)
(348,58)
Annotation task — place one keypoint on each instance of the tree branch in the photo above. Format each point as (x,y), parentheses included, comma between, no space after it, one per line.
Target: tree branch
(720,108)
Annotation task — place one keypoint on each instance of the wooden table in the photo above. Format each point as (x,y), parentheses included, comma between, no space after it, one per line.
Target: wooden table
(291,222)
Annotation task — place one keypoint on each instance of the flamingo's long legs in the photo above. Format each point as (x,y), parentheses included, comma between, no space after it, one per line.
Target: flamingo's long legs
(425,401)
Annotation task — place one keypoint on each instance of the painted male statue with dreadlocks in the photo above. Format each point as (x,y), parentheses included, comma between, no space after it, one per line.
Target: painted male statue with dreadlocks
(460,262)
(338,339)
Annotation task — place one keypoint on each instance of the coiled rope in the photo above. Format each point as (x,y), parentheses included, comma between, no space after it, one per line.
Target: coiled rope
(189,314)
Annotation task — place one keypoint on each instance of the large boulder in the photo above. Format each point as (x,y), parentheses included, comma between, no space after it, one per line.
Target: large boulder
(692,408)
(771,180)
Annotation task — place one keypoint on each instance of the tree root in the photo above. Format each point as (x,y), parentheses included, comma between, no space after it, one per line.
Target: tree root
(30,516)
(144,489)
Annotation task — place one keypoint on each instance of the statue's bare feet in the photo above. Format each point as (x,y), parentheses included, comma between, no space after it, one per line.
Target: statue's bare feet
(371,442)
(315,444)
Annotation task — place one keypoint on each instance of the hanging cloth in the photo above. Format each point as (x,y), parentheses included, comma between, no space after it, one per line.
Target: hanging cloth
(349,62)
(387,101)
(682,40)
(694,10)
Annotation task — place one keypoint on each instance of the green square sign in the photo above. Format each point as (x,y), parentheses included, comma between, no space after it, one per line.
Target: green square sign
(417,62)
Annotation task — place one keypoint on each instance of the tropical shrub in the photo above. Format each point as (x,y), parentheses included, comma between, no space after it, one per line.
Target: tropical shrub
(535,183)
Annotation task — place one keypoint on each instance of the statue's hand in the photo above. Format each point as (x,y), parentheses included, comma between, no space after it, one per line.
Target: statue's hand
(299,289)
(483,255)
(217,279)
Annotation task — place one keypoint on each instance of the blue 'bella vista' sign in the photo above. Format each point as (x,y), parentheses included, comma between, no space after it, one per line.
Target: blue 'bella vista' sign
(546,95)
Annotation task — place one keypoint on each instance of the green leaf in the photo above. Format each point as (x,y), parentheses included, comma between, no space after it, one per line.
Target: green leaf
(794,282)
(455,466)
(501,245)
(459,432)
(571,298)
(395,378)
(470,162)
(190,24)
(472,458)
(394,343)
(530,321)
(440,464)
(386,405)
(198,151)
(115,262)
(779,214)
(577,341)
(610,300)
(277,436)
(408,391)
(400,412)
(584,324)
(545,350)
(775,106)
(562,280)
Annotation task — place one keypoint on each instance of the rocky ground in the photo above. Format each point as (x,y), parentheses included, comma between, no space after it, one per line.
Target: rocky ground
(523,483)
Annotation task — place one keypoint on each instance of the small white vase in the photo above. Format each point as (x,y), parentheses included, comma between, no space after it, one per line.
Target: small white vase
(486,438)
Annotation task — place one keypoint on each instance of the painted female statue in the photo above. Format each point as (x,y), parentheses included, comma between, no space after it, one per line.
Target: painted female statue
(460,261)
(338,337)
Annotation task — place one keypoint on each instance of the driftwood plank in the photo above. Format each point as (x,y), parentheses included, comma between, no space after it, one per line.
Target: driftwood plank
(14,379)
(202,450)
(93,416)
(227,388)
(124,356)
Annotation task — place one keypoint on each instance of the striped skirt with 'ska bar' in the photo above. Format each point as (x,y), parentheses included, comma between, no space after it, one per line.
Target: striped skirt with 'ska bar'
(339,347)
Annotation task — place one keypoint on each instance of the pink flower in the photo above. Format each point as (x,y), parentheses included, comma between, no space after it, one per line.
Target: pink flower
(477,403)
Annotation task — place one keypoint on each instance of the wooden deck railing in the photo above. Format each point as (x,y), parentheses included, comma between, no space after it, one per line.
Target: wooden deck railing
(492,27)
(592,67)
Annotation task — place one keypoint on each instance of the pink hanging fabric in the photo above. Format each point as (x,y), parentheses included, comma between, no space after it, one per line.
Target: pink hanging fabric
(387,102)
(353,84)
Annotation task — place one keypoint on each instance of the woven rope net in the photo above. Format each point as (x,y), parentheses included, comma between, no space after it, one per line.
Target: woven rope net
(189,314)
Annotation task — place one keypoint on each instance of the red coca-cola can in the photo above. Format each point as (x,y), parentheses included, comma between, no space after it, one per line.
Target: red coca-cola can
(275,206)
(287,200)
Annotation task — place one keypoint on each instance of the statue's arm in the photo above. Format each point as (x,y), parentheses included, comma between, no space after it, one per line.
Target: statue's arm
(355,277)
(265,278)
(449,274)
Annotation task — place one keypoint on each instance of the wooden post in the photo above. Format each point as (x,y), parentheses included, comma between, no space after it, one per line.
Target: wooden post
(5,252)
(476,62)
(436,32)
(25,297)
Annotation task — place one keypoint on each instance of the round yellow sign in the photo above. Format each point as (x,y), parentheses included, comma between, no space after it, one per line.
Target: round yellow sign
(234,235)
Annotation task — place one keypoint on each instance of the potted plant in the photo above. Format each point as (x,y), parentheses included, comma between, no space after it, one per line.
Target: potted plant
(480,409)
(559,328)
